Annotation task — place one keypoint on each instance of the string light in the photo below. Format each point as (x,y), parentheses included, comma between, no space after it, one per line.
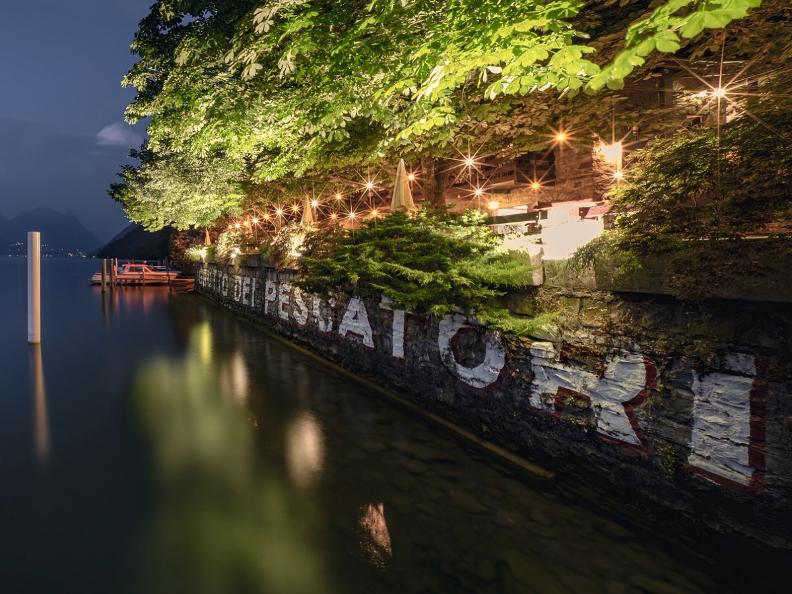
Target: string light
(314,203)
(561,136)
(333,216)
(295,208)
(352,215)
(339,196)
(411,177)
(266,216)
(618,175)
(493,205)
(719,93)
(279,211)
(254,220)
(468,161)
(237,226)
(374,213)
(478,192)
(536,186)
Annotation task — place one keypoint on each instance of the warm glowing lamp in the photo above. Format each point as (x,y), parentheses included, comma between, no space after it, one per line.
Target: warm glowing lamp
(612,154)
(494,205)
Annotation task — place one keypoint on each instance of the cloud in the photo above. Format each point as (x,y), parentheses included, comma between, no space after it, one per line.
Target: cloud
(118,134)
(41,165)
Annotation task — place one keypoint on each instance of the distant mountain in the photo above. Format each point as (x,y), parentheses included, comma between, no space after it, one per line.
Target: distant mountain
(134,242)
(61,234)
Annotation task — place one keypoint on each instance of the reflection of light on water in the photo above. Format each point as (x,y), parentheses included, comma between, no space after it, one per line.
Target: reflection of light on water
(204,341)
(41,434)
(304,449)
(222,514)
(376,541)
(239,378)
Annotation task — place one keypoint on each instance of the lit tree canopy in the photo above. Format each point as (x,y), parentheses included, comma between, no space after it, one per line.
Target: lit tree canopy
(242,91)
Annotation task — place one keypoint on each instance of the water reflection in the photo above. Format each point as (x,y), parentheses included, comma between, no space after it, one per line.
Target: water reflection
(131,299)
(41,428)
(224,523)
(235,379)
(204,339)
(376,540)
(305,449)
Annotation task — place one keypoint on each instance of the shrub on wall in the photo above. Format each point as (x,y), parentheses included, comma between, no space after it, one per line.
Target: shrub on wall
(429,264)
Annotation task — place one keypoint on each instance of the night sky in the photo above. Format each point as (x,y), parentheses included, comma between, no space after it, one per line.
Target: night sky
(62,134)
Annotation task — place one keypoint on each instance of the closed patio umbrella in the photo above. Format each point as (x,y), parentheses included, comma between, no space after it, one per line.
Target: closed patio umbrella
(308,217)
(402,195)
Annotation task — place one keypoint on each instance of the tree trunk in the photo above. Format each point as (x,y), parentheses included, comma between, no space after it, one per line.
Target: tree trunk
(434,182)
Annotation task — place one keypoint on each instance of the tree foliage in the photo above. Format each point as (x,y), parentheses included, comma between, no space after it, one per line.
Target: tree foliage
(260,91)
(709,184)
(700,197)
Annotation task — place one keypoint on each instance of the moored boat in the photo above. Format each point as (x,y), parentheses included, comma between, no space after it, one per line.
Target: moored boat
(140,274)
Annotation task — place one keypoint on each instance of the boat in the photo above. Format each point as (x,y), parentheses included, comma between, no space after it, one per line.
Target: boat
(140,274)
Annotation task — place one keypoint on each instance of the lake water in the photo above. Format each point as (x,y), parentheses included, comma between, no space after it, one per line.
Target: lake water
(157,444)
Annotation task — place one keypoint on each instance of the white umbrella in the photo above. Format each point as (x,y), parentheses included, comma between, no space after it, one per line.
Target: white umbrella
(402,195)
(308,218)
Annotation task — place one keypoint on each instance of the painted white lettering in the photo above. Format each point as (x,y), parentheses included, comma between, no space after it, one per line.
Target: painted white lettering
(245,289)
(300,310)
(397,334)
(624,380)
(721,435)
(270,294)
(324,324)
(284,296)
(356,321)
(483,374)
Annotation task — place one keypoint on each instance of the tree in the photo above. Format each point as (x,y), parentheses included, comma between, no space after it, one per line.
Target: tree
(288,88)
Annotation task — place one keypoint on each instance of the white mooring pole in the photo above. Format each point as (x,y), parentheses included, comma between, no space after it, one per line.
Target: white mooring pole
(34,287)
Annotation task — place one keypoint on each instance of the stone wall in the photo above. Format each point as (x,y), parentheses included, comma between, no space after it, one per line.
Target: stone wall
(666,405)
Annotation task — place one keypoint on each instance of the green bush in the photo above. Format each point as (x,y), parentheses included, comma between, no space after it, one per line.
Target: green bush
(426,263)
(697,197)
